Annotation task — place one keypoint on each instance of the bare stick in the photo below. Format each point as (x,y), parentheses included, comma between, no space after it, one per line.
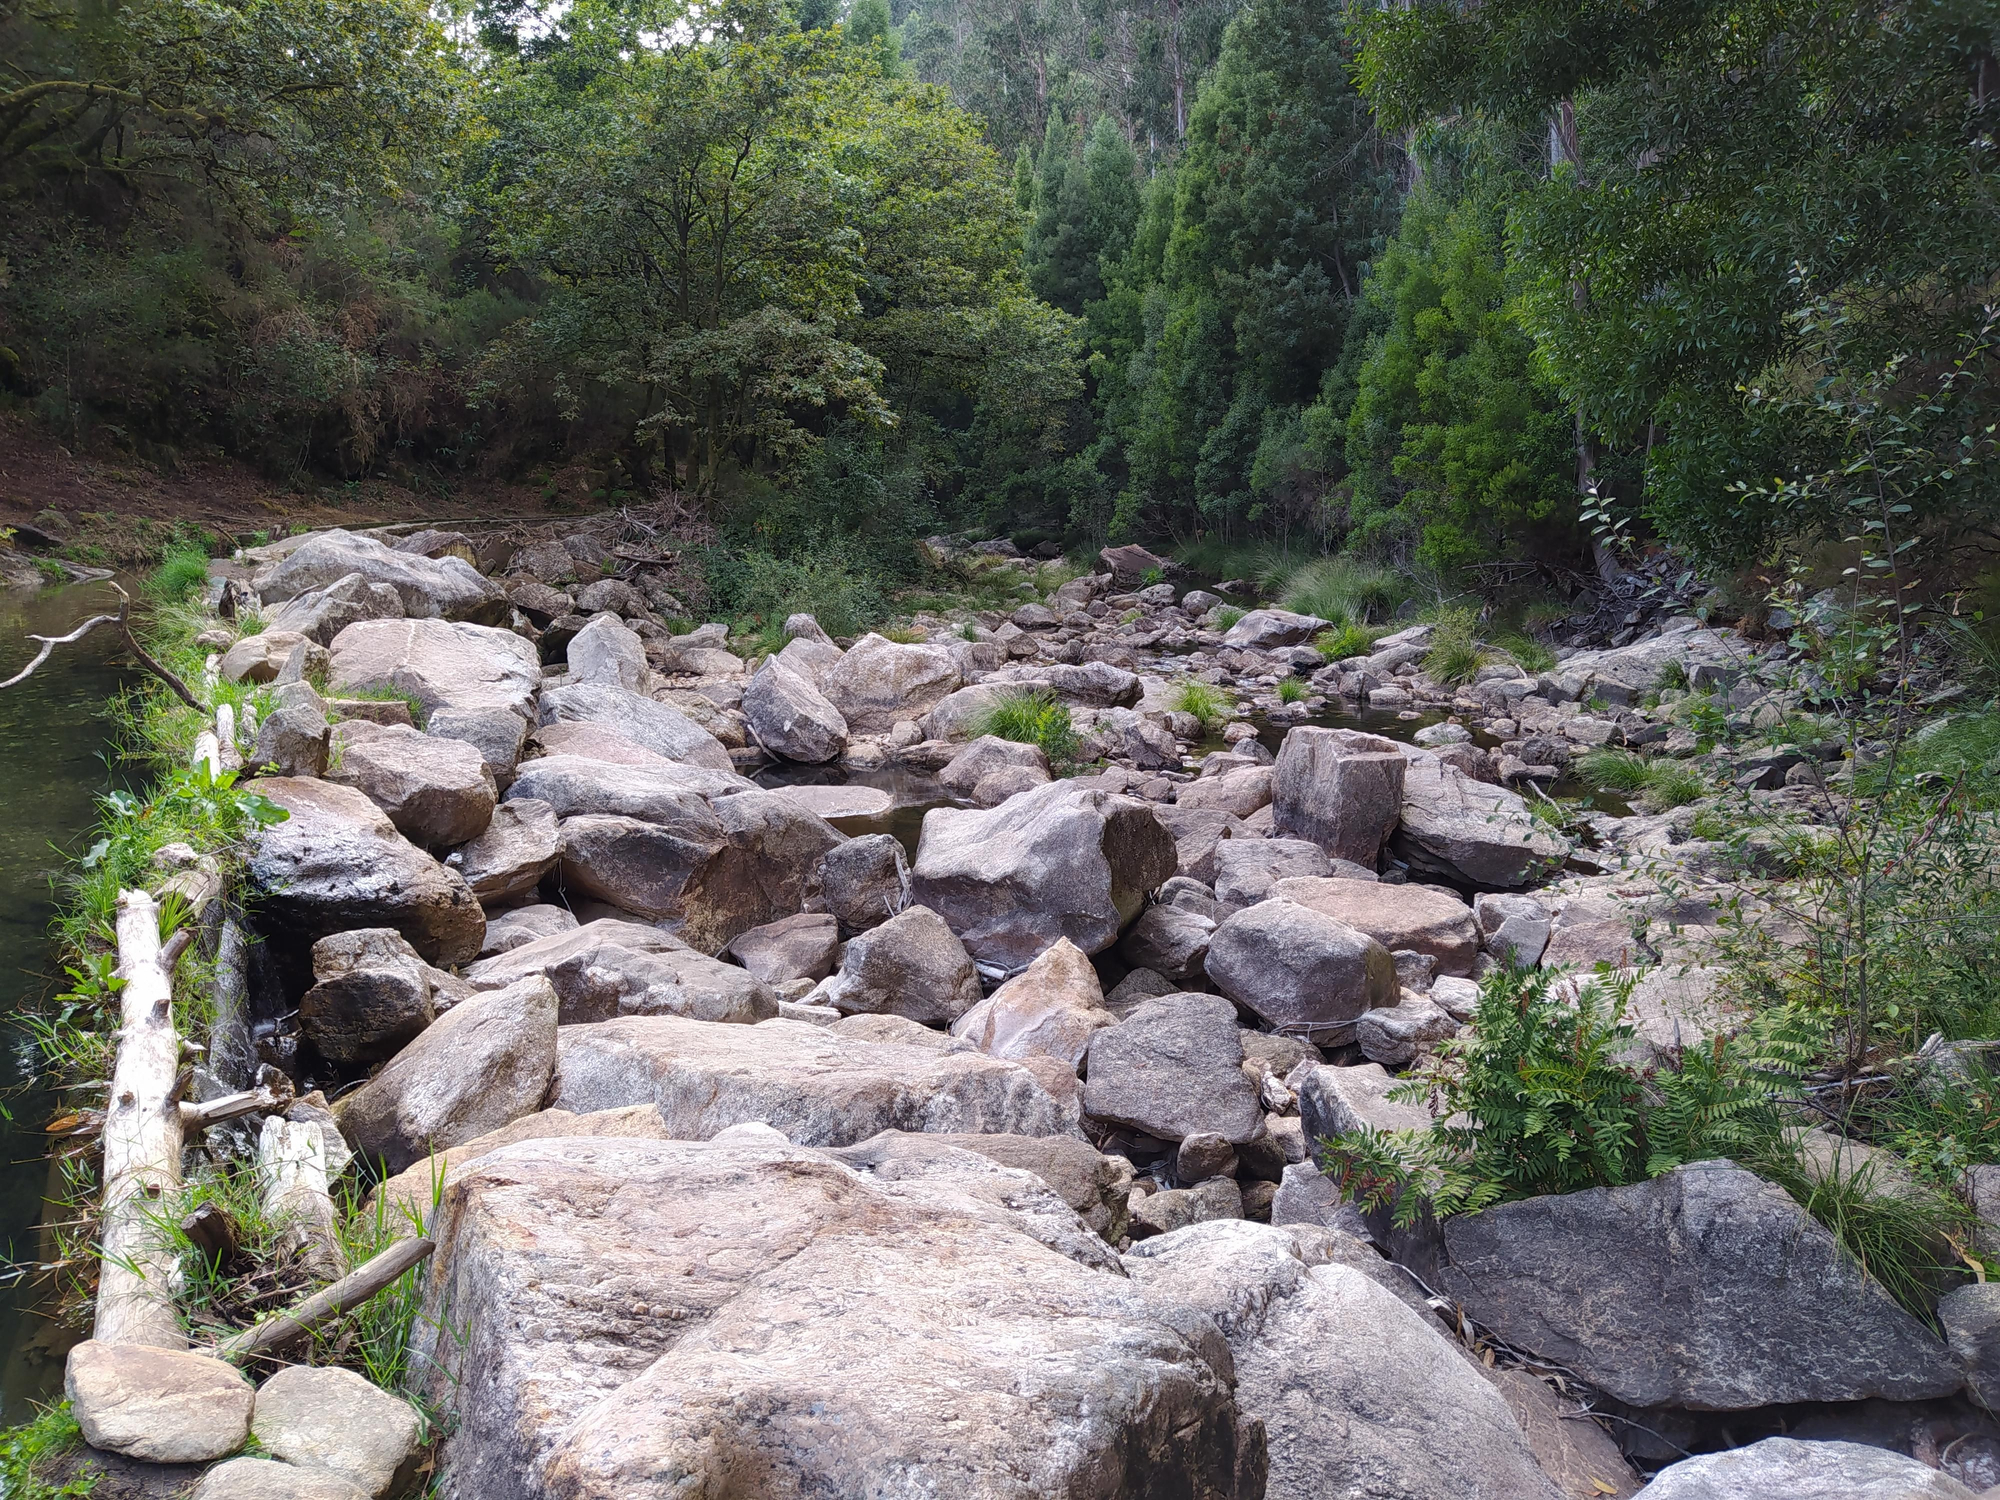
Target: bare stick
(123,620)
(262,1100)
(142,1143)
(350,1291)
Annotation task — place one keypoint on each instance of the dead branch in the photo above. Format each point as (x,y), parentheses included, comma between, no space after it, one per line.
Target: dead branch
(123,620)
(350,1291)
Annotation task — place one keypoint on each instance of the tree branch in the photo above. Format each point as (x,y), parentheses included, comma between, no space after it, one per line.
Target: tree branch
(123,620)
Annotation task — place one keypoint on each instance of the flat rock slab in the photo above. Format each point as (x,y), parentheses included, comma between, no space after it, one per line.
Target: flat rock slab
(1417,918)
(163,1406)
(637,1321)
(658,727)
(267,1479)
(1788,1469)
(1470,832)
(411,1196)
(332,1419)
(817,1087)
(839,801)
(1707,1287)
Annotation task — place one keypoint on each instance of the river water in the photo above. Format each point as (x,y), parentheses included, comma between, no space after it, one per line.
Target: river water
(54,740)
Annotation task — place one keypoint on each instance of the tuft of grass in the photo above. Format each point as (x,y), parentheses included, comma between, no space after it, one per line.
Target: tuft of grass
(902,635)
(969,631)
(1346,640)
(1529,654)
(1664,784)
(1612,770)
(1343,589)
(1204,700)
(1037,717)
(182,573)
(1227,615)
(382,693)
(1671,783)
(1292,690)
(1455,656)
(1150,577)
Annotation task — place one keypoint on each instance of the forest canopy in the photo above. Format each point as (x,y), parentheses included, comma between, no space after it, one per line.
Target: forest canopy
(1442,285)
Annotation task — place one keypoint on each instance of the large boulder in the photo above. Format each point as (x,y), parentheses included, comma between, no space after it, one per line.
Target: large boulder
(989,770)
(1173,1067)
(792,718)
(803,946)
(910,966)
(1471,832)
(331,1419)
(1334,1101)
(611,968)
(657,727)
(1247,868)
(336,862)
(371,996)
(817,1087)
(770,848)
(654,790)
(1359,1395)
(321,614)
(1268,629)
(438,792)
(958,714)
(607,651)
(1095,1185)
(776,1322)
(1707,1287)
(1300,970)
(1170,941)
(161,1406)
(1049,1009)
(863,882)
(520,845)
(1239,793)
(1340,789)
(1057,861)
(472,683)
(484,1062)
(1780,1468)
(646,867)
(877,682)
(1641,665)
(412,1194)
(1402,918)
(446,588)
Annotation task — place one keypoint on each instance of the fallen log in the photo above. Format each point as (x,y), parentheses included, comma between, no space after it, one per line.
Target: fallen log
(142,1143)
(291,1163)
(350,1291)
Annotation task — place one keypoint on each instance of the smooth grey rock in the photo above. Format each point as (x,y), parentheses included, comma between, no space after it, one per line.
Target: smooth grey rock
(1300,969)
(1515,927)
(484,1062)
(294,741)
(337,863)
(371,998)
(877,682)
(1359,1395)
(1170,941)
(1204,1155)
(1198,834)
(162,1406)
(321,614)
(658,791)
(989,756)
(863,882)
(607,651)
(519,846)
(260,657)
(791,717)
(516,928)
(1096,683)
(770,849)
(1334,1101)
(1340,789)
(1396,1035)
(1094,1185)
(445,588)
(1267,629)
(267,1479)
(1639,666)
(1172,1067)
(1470,831)
(1414,918)
(1176,1208)
(658,727)
(817,1087)
(1787,1469)
(1246,869)
(438,792)
(805,946)
(910,966)
(611,968)
(333,1419)
(1238,793)
(1706,1287)
(1307,1195)
(1971,1319)
(640,866)
(809,658)
(1049,1009)
(1058,861)
(883,1328)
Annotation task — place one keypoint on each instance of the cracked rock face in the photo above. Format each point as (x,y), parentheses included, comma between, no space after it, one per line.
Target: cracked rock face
(748,1317)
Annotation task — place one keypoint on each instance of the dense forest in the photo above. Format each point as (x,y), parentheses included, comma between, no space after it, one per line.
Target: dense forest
(1441,286)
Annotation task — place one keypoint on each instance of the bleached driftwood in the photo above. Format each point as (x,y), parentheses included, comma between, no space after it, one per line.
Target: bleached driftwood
(123,620)
(348,1292)
(142,1143)
(262,1100)
(291,1163)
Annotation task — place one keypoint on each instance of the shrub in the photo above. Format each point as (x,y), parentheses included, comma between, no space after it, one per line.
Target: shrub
(1455,656)
(182,573)
(1344,641)
(1343,590)
(1204,700)
(1032,718)
(1292,690)
(27,1451)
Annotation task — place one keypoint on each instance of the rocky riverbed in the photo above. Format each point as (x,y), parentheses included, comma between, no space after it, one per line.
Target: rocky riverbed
(765,1158)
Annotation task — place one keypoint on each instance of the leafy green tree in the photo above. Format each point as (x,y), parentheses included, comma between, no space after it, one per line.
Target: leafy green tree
(1722,170)
(1085,203)
(870,30)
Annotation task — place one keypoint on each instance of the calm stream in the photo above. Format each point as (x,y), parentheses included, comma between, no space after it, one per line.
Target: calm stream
(53,739)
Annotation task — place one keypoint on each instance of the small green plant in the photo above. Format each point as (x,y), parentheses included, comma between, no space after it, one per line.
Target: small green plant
(1612,770)
(1709,720)
(51,570)
(1344,641)
(27,1451)
(1204,700)
(1150,577)
(1292,690)
(969,631)
(1455,656)
(1341,589)
(1226,615)
(182,573)
(1035,717)
(1664,784)
(1529,654)
(1673,783)
(1673,674)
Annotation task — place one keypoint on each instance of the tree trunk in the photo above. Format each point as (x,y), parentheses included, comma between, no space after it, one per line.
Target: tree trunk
(142,1144)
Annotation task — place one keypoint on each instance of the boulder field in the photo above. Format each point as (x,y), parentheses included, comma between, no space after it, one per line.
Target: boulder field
(767,1157)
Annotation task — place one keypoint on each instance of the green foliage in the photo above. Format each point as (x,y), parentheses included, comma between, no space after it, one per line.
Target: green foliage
(1204,700)
(1663,783)
(1085,205)
(384,693)
(1529,654)
(1455,655)
(1227,615)
(1342,589)
(1346,641)
(826,585)
(1612,770)
(1672,783)
(27,1450)
(182,573)
(1292,690)
(1031,718)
